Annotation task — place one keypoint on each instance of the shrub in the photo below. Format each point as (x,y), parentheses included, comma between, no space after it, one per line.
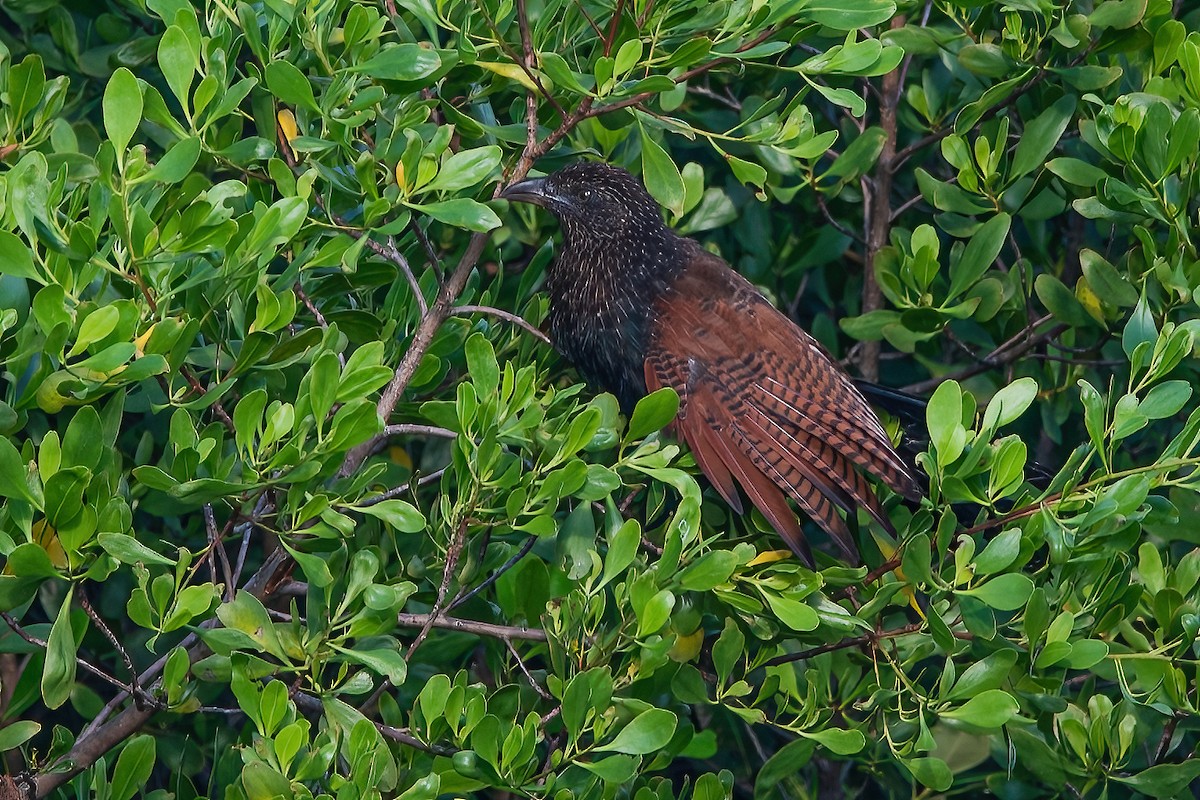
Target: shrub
(298,502)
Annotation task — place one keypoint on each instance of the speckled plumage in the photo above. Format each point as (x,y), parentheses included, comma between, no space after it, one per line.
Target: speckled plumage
(636,307)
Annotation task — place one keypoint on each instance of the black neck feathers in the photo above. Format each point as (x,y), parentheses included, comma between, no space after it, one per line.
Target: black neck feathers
(617,259)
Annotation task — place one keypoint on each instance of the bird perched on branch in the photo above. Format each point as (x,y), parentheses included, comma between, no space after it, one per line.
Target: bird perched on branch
(762,405)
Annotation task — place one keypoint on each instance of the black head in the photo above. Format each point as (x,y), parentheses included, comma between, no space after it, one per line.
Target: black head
(593,198)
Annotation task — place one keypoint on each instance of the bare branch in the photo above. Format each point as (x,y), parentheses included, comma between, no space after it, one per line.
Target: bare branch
(471,626)
(495,576)
(515,319)
(419,430)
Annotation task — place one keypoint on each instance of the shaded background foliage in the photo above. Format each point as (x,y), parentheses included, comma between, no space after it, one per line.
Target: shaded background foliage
(298,502)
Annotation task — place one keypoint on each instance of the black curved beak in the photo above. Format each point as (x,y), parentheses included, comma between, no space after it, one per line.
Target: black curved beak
(533,190)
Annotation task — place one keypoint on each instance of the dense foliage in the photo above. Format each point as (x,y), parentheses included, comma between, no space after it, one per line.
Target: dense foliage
(298,502)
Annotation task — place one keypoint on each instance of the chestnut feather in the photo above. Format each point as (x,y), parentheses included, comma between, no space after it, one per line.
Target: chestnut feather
(761,404)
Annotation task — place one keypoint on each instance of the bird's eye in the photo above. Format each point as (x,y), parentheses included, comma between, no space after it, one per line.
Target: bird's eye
(587,194)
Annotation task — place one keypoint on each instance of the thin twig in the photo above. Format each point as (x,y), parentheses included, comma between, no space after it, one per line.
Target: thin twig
(507,316)
(405,488)
(86,665)
(112,639)
(419,430)
(393,254)
(495,576)
(453,552)
(852,641)
(1005,354)
(537,687)
(472,626)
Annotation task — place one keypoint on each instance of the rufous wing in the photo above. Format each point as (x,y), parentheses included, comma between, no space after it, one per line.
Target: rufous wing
(763,405)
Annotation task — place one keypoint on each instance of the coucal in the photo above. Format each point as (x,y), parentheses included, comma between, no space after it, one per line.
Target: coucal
(637,307)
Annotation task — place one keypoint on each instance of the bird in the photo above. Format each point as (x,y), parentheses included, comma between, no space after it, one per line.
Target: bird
(762,405)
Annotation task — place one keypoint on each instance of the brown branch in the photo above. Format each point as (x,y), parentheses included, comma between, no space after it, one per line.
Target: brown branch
(311,705)
(495,576)
(392,254)
(879,212)
(515,319)
(420,430)
(487,629)
(135,689)
(1006,353)
(422,339)
(41,643)
(614,22)
(852,641)
(453,552)
(98,739)
(537,687)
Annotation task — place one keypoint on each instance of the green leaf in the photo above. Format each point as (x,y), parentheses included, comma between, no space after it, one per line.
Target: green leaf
(931,772)
(134,766)
(1166,399)
(58,673)
(1008,404)
(465,168)
(290,85)
(622,549)
(628,56)
(1041,135)
(988,709)
(653,412)
(985,59)
(13,483)
(17,733)
(26,84)
(99,324)
(1087,653)
(979,254)
(839,741)
(795,614)
(1164,780)
(613,769)
(1108,284)
(747,173)
(728,649)
(859,156)
(401,515)
(482,366)
(1005,593)
(710,570)
(848,16)
(661,176)
(386,662)
(1074,171)
(560,72)
(943,416)
(984,675)
(129,550)
(403,62)
(1000,551)
(122,109)
(655,612)
(177,163)
(461,212)
(177,62)
(1119,14)
(1060,301)
(649,731)
(1140,328)
(16,258)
